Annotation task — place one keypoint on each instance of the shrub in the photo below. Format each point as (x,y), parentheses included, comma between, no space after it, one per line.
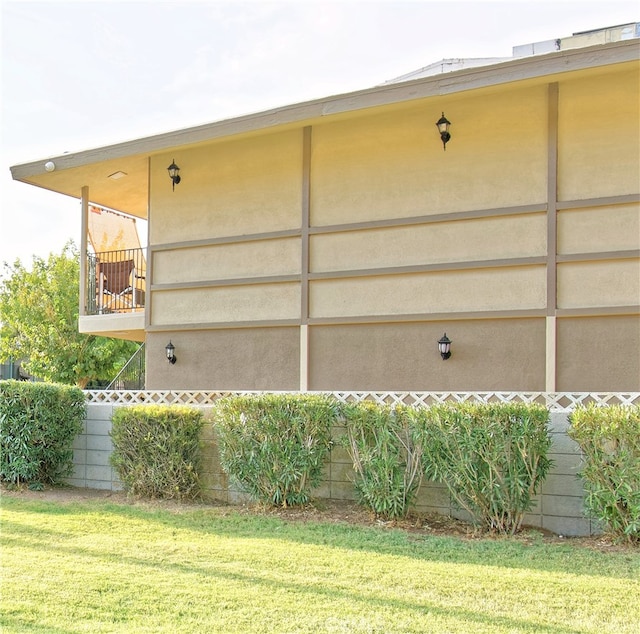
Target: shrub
(38,424)
(610,440)
(386,459)
(275,445)
(157,450)
(492,458)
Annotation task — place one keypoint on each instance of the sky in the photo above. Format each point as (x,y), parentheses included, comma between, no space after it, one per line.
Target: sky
(81,74)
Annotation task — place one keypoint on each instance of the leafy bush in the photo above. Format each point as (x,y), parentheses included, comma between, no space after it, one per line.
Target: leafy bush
(386,459)
(275,445)
(493,458)
(157,450)
(38,423)
(610,440)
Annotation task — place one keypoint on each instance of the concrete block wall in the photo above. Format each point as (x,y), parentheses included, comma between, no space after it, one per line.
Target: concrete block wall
(559,505)
(92,449)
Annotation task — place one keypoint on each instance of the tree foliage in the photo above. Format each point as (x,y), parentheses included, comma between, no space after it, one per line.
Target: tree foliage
(39,323)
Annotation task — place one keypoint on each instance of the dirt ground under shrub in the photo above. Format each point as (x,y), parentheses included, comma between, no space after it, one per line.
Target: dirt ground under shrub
(322,510)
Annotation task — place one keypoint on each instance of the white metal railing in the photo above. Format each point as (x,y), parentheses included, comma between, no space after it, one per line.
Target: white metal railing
(554,401)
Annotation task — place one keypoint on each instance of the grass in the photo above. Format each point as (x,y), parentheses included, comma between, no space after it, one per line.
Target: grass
(96,566)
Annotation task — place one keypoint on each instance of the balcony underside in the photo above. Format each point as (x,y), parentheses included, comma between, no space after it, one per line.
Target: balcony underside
(118,325)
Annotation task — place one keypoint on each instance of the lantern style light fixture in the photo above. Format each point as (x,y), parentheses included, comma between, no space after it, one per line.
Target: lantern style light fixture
(174,174)
(443,128)
(444,346)
(171,353)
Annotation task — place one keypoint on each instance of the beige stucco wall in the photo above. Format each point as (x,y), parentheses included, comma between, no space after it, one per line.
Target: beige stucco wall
(227,261)
(392,165)
(599,354)
(485,353)
(226,304)
(449,291)
(230,359)
(460,241)
(228,188)
(607,228)
(598,137)
(229,247)
(599,283)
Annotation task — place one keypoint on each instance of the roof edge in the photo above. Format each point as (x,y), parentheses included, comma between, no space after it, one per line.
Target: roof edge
(455,81)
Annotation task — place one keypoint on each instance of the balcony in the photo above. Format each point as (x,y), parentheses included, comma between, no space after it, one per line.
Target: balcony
(115,294)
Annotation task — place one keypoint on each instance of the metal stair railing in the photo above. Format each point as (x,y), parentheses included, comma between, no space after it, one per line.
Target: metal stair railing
(131,377)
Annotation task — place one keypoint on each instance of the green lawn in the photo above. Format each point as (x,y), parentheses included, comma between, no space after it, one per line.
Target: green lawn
(96,566)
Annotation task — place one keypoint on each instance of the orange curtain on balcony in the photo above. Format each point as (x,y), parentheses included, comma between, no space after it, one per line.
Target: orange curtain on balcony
(111,231)
(115,242)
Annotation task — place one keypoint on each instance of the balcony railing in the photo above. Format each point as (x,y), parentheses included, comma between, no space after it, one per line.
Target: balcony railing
(116,281)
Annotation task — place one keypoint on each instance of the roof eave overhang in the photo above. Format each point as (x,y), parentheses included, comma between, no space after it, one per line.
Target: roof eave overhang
(519,69)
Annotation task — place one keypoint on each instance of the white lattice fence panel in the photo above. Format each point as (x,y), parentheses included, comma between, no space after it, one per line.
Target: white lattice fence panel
(558,402)
(156,397)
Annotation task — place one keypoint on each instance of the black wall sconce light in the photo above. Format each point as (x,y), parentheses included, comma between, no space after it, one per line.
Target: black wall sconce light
(444,346)
(174,174)
(443,128)
(171,353)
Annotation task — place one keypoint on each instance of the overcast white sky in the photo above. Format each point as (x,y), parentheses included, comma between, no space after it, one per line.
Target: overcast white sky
(82,74)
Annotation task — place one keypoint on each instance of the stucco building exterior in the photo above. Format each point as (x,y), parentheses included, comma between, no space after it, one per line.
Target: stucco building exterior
(329,245)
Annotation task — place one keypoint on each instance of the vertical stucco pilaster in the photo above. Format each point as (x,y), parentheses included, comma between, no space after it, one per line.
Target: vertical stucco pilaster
(304,265)
(149,256)
(84,231)
(552,237)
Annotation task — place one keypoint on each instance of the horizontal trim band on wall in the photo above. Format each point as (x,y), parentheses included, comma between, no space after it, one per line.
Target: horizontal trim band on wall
(365,319)
(401,270)
(428,268)
(357,226)
(240,281)
(454,216)
(428,317)
(209,242)
(225,325)
(400,222)
(631,254)
(600,311)
(330,275)
(624,199)
(608,311)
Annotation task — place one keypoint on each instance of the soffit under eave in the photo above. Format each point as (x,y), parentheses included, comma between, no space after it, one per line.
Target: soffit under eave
(128,194)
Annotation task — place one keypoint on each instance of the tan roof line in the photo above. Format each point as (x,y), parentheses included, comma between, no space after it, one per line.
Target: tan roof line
(455,81)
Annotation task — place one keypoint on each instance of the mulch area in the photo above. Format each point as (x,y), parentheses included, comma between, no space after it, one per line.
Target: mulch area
(327,511)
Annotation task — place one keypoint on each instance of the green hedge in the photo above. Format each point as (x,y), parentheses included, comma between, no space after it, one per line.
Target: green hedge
(387,460)
(38,424)
(610,440)
(157,450)
(492,458)
(275,445)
